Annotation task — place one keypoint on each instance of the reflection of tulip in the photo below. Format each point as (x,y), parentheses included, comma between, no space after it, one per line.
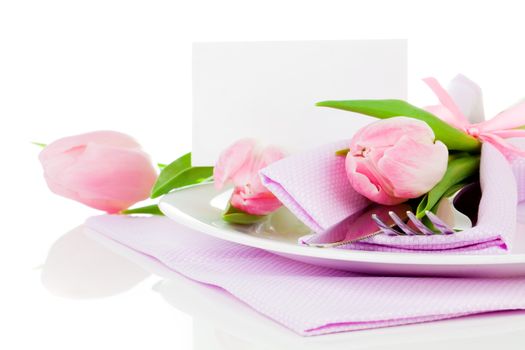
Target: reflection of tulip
(78,266)
(105,170)
(395,159)
(240,164)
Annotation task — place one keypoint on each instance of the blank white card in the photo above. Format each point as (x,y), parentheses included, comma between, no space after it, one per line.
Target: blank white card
(268,90)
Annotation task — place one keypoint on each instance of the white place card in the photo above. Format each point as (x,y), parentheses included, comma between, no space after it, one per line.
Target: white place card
(268,90)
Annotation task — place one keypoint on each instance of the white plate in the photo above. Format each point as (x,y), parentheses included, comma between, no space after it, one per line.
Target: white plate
(199,207)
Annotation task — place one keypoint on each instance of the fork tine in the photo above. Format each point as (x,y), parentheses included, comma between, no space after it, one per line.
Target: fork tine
(384,227)
(406,230)
(439,224)
(420,226)
(401,224)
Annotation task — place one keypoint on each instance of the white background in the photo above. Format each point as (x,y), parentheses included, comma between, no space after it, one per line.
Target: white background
(255,86)
(68,67)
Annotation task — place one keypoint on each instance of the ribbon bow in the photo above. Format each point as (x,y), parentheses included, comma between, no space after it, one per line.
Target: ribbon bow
(462,107)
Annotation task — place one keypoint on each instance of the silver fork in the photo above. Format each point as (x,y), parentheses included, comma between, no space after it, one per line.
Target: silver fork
(403,229)
(406,230)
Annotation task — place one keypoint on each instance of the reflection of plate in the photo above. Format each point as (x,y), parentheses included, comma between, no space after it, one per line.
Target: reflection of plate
(198,207)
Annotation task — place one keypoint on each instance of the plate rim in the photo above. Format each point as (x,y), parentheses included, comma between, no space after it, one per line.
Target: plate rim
(175,213)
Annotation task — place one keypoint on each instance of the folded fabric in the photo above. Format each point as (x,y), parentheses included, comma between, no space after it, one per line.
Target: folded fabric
(307,299)
(518,167)
(314,186)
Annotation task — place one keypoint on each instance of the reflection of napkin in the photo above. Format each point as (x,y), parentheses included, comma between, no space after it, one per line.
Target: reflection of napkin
(313,185)
(309,300)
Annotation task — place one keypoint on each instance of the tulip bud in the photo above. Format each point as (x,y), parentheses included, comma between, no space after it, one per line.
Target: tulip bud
(240,164)
(105,170)
(393,160)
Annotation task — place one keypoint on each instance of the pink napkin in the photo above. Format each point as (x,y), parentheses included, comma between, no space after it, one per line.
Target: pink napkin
(313,185)
(307,299)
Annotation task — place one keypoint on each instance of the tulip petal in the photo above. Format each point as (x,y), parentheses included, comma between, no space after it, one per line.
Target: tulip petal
(103,177)
(395,159)
(240,163)
(105,170)
(262,203)
(108,178)
(104,137)
(386,133)
(234,163)
(414,167)
(365,182)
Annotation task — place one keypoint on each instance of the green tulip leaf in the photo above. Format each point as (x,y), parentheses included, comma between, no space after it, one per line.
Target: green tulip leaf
(192,176)
(453,138)
(458,170)
(450,192)
(233,215)
(169,174)
(179,174)
(150,209)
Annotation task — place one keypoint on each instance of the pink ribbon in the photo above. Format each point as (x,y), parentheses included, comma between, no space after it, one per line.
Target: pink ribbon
(494,131)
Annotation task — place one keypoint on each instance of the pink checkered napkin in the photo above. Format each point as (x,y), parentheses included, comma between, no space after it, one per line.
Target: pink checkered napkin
(314,186)
(307,299)
(518,167)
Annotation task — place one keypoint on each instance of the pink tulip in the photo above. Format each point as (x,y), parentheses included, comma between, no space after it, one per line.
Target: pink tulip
(105,170)
(240,164)
(395,159)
